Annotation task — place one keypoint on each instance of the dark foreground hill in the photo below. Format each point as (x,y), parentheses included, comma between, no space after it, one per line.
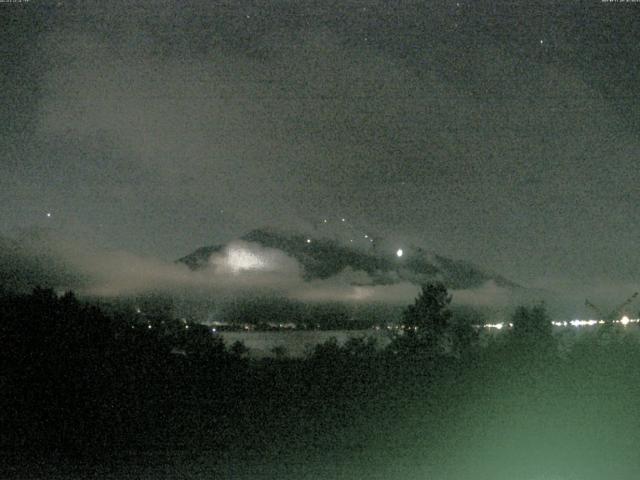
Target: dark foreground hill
(89,395)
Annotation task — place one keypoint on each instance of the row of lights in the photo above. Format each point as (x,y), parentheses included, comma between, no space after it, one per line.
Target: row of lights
(344,220)
(497,326)
(588,323)
(399,252)
(574,323)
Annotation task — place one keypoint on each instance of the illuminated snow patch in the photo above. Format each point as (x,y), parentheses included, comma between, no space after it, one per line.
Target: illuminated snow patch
(240,256)
(240,259)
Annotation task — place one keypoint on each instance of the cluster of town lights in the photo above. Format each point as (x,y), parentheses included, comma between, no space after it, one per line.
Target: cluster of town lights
(624,321)
(573,323)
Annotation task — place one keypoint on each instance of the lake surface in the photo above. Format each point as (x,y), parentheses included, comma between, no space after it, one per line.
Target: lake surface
(298,342)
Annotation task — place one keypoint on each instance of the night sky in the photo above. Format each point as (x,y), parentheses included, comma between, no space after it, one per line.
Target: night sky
(505,133)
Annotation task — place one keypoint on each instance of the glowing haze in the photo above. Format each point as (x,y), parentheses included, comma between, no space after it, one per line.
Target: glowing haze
(238,269)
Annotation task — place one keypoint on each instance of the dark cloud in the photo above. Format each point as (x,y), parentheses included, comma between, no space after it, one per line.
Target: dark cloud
(159,127)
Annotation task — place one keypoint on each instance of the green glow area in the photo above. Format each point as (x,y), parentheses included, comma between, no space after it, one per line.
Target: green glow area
(532,403)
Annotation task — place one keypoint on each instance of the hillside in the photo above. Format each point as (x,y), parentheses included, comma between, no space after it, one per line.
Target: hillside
(322,258)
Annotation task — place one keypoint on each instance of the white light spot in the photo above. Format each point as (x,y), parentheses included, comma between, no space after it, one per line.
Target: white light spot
(541,42)
(497,326)
(324,221)
(624,320)
(308,240)
(48,214)
(366,236)
(399,253)
(343,220)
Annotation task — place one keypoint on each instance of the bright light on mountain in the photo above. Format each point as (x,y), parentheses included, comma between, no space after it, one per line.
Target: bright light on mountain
(399,253)
(240,259)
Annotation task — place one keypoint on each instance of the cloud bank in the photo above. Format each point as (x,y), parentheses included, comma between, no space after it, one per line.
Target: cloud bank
(240,269)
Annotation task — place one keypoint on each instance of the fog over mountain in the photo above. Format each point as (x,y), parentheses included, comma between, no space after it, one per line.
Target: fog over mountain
(273,265)
(323,258)
(264,261)
(159,127)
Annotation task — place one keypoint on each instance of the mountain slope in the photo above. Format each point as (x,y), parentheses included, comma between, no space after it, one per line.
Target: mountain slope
(324,258)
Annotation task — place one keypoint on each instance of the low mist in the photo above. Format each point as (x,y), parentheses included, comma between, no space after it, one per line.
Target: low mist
(239,270)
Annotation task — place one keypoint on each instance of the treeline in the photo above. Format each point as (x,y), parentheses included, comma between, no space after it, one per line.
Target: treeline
(76,379)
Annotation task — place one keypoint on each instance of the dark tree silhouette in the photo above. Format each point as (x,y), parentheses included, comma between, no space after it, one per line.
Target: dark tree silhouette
(238,349)
(426,322)
(360,347)
(428,318)
(279,352)
(532,329)
(464,338)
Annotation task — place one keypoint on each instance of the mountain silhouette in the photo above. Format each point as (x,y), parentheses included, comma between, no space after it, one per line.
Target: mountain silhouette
(322,258)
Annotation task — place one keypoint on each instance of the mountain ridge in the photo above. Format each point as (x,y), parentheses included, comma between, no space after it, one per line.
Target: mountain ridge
(322,258)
